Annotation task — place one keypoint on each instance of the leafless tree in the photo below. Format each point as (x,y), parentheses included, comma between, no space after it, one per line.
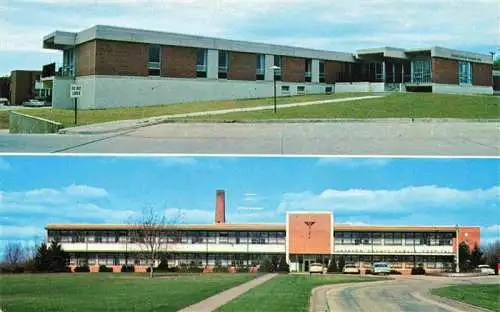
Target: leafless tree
(491,253)
(148,232)
(14,253)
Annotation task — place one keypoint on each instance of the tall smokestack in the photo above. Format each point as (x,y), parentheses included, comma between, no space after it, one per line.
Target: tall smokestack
(220,207)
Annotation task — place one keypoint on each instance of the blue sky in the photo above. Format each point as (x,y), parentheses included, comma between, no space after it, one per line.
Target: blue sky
(321,24)
(37,190)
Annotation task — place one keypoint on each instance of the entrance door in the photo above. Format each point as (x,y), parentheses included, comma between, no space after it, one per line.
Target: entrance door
(306,266)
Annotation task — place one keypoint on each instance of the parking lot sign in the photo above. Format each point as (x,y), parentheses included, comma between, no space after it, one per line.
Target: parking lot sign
(76,91)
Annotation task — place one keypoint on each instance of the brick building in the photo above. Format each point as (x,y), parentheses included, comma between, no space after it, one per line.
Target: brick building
(131,67)
(304,238)
(23,85)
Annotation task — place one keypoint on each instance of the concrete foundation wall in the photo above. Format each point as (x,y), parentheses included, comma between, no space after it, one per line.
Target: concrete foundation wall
(115,91)
(461,89)
(360,87)
(21,123)
(60,93)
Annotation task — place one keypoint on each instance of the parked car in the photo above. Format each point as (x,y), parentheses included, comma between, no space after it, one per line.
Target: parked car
(4,101)
(33,103)
(485,269)
(316,268)
(350,269)
(381,268)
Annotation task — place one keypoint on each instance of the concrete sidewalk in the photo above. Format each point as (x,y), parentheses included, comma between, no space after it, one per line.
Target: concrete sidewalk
(124,125)
(215,302)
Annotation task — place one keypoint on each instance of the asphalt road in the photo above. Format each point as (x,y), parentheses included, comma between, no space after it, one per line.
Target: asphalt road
(451,138)
(404,294)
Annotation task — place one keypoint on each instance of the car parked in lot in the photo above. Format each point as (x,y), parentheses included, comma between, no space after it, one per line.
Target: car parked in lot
(485,269)
(350,269)
(381,268)
(33,103)
(316,268)
(4,102)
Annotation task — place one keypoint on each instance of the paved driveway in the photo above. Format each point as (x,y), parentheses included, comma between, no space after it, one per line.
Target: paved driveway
(405,293)
(345,138)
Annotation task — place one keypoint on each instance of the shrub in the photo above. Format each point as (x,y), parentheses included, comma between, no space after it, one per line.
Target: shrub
(103,268)
(418,271)
(195,269)
(395,272)
(332,267)
(283,267)
(242,269)
(83,268)
(368,271)
(220,269)
(127,268)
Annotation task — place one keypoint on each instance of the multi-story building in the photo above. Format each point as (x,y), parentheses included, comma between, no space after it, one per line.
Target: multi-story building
(25,85)
(130,67)
(304,238)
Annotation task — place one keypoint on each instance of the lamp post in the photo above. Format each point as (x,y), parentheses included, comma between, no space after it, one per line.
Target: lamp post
(457,264)
(274,68)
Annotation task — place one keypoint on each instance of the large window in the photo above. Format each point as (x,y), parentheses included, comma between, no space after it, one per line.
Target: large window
(421,71)
(154,60)
(464,73)
(223,64)
(278,62)
(308,70)
(392,239)
(261,67)
(201,63)
(321,71)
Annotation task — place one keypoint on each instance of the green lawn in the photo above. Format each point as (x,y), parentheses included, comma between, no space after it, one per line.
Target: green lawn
(482,295)
(396,105)
(66,116)
(110,292)
(287,293)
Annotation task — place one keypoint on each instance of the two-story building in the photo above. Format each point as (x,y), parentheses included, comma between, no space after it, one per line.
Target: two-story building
(120,67)
(304,238)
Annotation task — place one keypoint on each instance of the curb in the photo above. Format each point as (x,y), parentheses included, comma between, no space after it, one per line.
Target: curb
(276,121)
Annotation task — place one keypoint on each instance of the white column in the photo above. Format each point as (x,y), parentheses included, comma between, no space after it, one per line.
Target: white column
(383,71)
(269,73)
(315,71)
(213,64)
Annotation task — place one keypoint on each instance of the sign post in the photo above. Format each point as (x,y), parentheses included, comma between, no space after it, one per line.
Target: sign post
(75,93)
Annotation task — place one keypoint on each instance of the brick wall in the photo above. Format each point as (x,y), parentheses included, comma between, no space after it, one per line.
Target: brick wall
(179,62)
(242,66)
(482,74)
(86,58)
(316,241)
(121,58)
(444,71)
(470,235)
(293,69)
(22,85)
(333,71)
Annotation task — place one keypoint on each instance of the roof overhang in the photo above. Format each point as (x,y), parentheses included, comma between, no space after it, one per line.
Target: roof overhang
(386,52)
(59,40)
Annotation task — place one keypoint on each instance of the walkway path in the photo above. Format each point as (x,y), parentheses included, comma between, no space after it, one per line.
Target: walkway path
(215,302)
(123,125)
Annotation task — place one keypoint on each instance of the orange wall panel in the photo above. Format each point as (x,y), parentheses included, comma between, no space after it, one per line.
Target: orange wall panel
(316,239)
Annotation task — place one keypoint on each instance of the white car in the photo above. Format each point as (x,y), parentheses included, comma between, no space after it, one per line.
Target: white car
(34,103)
(485,269)
(350,269)
(4,101)
(316,268)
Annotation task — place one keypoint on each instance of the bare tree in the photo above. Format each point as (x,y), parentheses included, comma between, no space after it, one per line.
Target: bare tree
(14,253)
(491,253)
(149,231)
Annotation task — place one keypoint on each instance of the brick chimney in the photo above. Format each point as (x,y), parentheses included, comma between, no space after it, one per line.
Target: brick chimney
(220,207)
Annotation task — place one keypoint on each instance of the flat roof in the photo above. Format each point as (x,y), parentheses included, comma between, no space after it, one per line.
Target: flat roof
(57,39)
(253,227)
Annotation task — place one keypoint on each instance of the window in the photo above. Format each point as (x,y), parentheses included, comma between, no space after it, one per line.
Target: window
(377,239)
(223,64)
(261,67)
(285,88)
(321,71)
(392,239)
(278,62)
(464,73)
(329,90)
(154,60)
(201,63)
(445,239)
(308,70)
(421,71)
(409,240)
(223,238)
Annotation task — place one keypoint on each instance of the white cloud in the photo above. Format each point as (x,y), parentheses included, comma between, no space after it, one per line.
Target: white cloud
(55,196)
(364,200)
(354,162)
(4,165)
(250,208)
(85,191)
(492,229)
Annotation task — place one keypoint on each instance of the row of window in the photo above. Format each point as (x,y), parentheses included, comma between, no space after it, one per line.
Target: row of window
(396,262)
(172,237)
(393,238)
(154,61)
